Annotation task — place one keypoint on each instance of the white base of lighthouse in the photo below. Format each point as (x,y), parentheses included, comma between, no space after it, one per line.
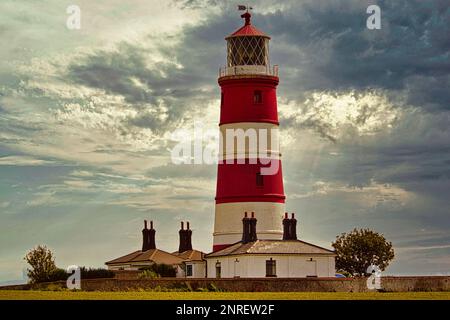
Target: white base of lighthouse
(228,222)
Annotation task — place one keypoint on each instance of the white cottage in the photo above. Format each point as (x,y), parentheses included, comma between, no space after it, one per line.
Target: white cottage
(287,258)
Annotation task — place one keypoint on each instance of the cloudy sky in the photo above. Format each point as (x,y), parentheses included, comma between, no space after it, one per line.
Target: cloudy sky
(87,116)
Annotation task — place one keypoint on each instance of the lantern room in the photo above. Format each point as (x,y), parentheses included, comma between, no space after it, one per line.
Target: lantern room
(248,51)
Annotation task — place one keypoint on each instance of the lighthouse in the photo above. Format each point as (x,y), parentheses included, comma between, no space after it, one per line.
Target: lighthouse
(248,105)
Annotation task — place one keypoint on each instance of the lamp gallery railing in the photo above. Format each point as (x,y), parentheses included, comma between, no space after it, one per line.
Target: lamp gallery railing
(248,69)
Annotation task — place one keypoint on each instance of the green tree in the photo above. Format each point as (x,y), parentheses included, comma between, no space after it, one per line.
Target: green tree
(359,249)
(42,264)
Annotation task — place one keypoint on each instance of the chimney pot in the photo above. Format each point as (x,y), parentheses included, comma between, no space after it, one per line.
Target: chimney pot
(252,229)
(185,238)
(145,237)
(286,227)
(151,237)
(293,228)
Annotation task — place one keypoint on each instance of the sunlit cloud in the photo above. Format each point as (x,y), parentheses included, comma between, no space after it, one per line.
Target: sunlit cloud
(338,115)
(23,161)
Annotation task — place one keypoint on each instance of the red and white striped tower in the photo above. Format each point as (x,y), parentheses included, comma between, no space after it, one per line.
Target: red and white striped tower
(248,101)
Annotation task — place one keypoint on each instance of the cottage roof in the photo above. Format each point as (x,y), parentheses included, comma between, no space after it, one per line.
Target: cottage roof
(271,247)
(153,255)
(190,255)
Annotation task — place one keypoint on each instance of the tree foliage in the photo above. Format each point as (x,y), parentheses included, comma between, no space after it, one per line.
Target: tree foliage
(359,249)
(42,264)
(44,269)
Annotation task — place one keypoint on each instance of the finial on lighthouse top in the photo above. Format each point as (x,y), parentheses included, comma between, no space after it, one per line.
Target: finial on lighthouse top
(247,17)
(247,30)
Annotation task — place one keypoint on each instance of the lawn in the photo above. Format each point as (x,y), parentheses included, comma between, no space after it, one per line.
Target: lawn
(130,295)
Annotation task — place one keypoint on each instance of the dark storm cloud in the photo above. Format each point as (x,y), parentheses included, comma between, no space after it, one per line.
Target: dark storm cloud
(322,46)
(183,83)
(326,46)
(415,151)
(410,52)
(115,72)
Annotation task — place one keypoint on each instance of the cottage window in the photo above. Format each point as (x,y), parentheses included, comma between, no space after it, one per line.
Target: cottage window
(218,269)
(271,268)
(189,270)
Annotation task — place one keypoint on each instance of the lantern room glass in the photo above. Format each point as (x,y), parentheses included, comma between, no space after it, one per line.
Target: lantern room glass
(247,51)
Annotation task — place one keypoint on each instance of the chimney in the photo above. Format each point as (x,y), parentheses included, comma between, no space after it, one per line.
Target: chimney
(145,244)
(182,232)
(245,228)
(188,238)
(151,237)
(286,227)
(252,222)
(293,228)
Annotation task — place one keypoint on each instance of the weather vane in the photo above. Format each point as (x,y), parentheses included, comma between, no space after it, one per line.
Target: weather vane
(247,14)
(242,8)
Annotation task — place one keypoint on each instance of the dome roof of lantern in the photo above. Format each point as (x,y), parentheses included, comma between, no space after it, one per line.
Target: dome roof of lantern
(247,29)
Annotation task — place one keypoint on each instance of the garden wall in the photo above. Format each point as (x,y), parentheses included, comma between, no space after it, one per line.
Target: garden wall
(390,284)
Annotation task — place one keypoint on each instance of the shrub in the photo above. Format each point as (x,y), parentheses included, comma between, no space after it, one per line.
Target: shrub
(95,273)
(163,270)
(148,274)
(58,275)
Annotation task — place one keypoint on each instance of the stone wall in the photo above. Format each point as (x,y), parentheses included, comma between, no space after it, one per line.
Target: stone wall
(430,283)
(127,274)
(394,284)
(248,285)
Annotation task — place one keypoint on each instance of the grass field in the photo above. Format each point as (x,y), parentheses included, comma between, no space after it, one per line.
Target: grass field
(69,295)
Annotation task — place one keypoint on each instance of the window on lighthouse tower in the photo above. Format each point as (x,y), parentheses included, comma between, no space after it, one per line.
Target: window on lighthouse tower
(259,180)
(257,97)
